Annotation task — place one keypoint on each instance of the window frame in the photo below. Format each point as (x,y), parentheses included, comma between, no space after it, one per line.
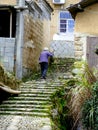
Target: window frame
(10,17)
(67,23)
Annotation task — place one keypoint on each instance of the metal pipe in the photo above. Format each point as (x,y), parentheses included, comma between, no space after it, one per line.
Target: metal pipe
(20,40)
(10,24)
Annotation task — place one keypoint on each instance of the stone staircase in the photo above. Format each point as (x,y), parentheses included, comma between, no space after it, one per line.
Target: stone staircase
(34,99)
(30,109)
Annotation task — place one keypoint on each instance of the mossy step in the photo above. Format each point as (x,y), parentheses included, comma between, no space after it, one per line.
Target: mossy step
(41,114)
(37,92)
(37,89)
(42,85)
(24,106)
(24,102)
(30,98)
(48,88)
(34,95)
(25,110)
(46,83)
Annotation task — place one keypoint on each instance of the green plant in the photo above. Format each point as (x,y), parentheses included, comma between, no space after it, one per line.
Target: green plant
(90,110)
(81,91)
(8,78)
(32,76)
(59,111)
(85,75)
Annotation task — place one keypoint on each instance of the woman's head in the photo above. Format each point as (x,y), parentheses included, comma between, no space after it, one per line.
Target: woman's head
(46,49)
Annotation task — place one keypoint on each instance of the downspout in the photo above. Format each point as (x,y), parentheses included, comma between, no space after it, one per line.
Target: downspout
(19,39)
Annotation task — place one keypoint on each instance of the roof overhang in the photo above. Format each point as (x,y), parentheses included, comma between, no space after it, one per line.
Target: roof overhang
(79,7)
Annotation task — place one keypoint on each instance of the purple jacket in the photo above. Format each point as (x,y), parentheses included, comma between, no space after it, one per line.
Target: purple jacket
(44,56)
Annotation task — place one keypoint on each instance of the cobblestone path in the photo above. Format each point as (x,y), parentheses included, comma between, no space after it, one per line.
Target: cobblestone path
(30,109)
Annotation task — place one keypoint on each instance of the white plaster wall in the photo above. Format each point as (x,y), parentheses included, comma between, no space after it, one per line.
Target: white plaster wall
(67,36)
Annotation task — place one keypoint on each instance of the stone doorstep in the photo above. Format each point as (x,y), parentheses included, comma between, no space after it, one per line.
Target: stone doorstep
(15,123)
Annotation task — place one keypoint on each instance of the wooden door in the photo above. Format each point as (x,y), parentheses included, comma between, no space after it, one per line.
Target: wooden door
(92,58)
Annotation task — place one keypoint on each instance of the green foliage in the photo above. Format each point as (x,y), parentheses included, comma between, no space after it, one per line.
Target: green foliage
(32,76)
(8,78)
(90,110)
(82,89)
(85,74)
(60,112)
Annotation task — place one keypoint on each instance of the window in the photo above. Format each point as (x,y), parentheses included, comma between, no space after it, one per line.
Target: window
(7,23)
(66,22)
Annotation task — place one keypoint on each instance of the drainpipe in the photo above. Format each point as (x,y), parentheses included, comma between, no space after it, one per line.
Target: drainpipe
(19,38)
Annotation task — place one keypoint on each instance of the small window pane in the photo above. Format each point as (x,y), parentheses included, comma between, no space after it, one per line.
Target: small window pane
(70,29)
(62,14)
(66,15)
(62,25)
(63,21)
(66,22)
(70,26)
(63,30)
(71,23)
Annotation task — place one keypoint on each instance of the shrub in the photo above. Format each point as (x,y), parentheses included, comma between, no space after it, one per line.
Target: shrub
(60,113)
(8,78)
(90,110)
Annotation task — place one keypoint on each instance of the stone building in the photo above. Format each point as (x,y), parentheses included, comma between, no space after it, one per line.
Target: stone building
(85,13)
(74,28)
(22,34)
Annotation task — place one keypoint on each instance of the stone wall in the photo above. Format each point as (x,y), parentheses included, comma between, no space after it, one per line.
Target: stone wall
(80,43)
(33,40)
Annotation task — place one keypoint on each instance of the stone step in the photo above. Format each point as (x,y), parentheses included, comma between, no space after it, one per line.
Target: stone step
(29,98)
(34,95)
(43,85)
(39,114)
(38,92)
(42,82)
(30,88)
(53,83)
(24,106)
(24,109)
(25,102)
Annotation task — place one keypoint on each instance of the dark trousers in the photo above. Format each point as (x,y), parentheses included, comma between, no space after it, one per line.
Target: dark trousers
(44,68)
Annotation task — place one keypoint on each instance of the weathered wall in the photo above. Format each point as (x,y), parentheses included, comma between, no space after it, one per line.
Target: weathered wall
(36,36)
(33,40)
(46,33)
(67,3)
(8,2)
(90,15)
(54,23)
(85,25)
(7,53)
(7,45)
(80,45)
